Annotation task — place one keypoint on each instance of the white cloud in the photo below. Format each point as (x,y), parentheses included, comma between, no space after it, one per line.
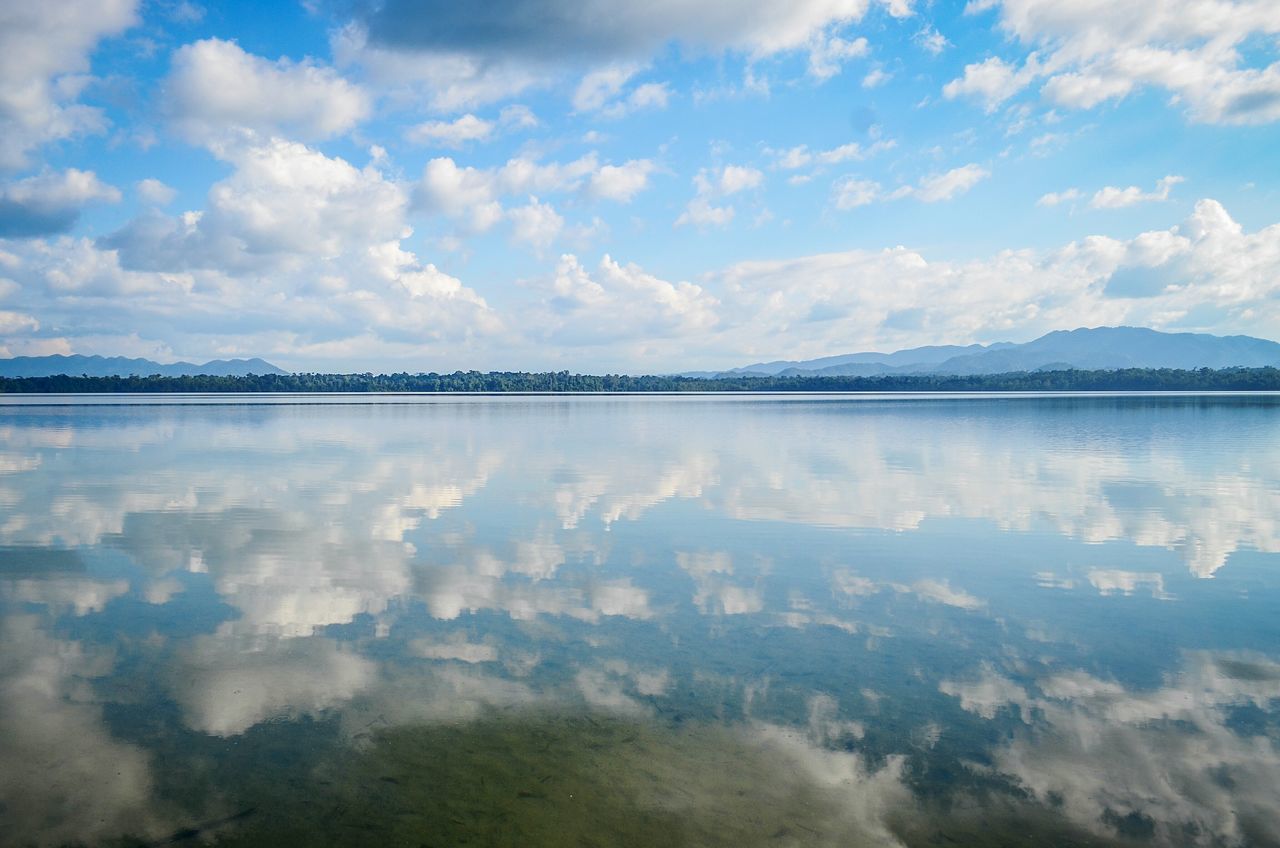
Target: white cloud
(849,193)
(735,178)
(829,52)
(715,183)
(877,77)
(992,80)
(473,197)
(601,90)
(945,186)
(215,88)
(1084,91)
(454,133)
(451,56)
(802,157)
(285,241)
(1090,53)
(537,224)
(610,27)
(517,116)
(50,202)
(650,95)
(621,182)
(156,192)
(14,323)
(445,81)
(620,303)
(308,245)
(1214,277)
(602,85)
(1110,197)
(931,40)
(701,212)
(42,47)
(1056,198)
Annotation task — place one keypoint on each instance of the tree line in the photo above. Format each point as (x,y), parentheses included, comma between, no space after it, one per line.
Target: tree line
(1125,379)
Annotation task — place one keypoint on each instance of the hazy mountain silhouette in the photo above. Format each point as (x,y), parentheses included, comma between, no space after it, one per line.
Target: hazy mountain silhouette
(119,366)
(1097,348)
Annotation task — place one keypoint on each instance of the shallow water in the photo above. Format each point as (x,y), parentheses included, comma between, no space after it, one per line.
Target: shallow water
(640,621)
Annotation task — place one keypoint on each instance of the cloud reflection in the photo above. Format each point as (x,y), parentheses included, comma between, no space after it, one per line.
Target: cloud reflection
(1168,761)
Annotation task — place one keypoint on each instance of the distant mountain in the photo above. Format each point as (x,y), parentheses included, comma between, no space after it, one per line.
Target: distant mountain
(119,366)
(1098,348)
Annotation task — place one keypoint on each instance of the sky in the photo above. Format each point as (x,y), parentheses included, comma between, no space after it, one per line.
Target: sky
(610,186)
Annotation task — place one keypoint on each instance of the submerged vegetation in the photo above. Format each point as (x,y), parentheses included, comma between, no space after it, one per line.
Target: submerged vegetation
(1126,379)
(532,778)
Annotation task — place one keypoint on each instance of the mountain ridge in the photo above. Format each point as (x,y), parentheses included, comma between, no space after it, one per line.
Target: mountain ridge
(120,366)
(1085,348)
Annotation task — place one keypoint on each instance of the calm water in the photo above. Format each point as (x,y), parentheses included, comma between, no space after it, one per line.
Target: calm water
(637,621)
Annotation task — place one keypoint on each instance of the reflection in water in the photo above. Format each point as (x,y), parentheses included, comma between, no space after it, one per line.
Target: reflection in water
(839,622)
(1175,762)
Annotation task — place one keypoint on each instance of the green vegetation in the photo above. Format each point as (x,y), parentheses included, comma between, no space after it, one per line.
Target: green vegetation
(533,779)
(1127,379)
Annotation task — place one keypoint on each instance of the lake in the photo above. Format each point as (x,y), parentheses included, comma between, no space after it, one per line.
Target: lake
(655,620)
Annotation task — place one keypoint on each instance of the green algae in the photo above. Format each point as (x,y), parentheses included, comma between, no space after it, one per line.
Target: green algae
(587,780)
(584,780)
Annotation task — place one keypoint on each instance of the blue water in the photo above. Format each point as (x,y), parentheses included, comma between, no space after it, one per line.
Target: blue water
(783,620)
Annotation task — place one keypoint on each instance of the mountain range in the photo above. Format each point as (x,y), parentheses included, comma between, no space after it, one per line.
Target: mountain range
(119,366)
(1097,348)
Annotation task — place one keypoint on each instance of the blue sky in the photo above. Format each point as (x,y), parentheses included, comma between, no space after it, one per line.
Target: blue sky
(600,185)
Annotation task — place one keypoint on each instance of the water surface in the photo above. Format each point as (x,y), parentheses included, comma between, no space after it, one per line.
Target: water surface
(640,620)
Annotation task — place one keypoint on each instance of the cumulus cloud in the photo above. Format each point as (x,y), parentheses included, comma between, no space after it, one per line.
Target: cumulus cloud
(621,182)
(620,302)
(50,203)
(215,88)
(601,90)
(473,198)
(1110,197)
(155,191)
(945,186)
(1056,198)
(602,85)
(828,53)
(552,29)
(283,200)
(455,133)
(310,246)
(1090,53)
(931,41)
(992,80)
(536,223)
(468,128)
(876,77)
(316,245)
(813,305)
(802,157)
(713,184)
(850,192)
(457,56)
(43,47)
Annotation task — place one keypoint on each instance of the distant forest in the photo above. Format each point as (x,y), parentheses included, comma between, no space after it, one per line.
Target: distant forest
(1128,379)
